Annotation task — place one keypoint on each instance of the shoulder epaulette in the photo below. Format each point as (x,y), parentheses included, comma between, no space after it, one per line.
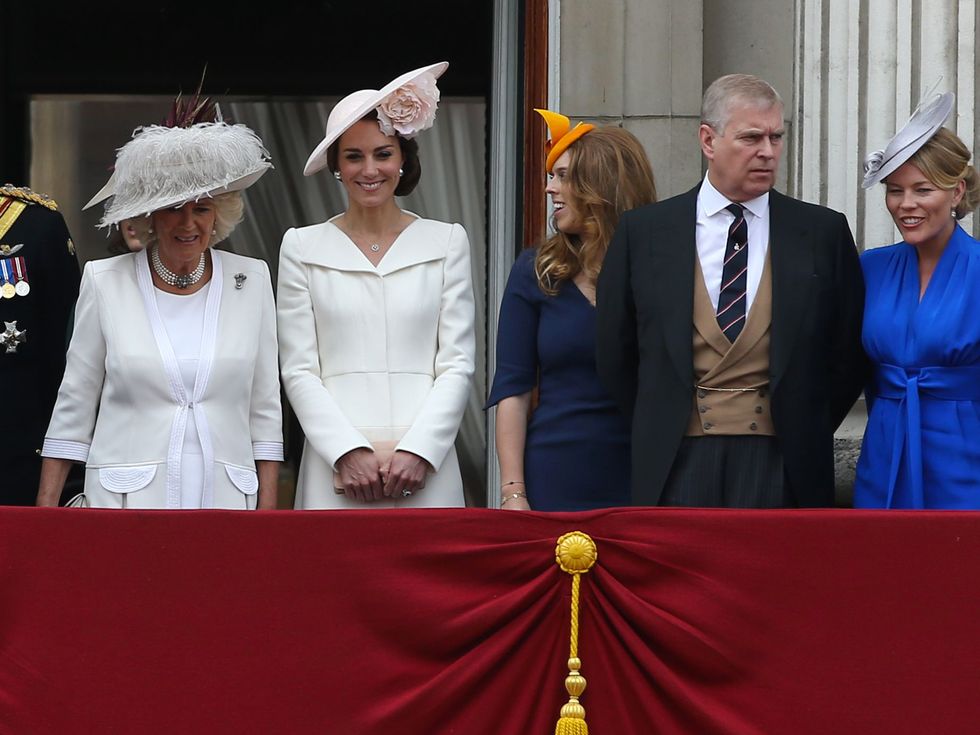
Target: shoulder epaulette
(27,195)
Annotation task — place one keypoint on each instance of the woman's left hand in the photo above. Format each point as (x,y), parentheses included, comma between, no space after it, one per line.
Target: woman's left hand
(407,471)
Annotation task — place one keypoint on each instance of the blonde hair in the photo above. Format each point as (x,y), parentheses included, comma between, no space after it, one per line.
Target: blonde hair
(608,173)
(945,161)
(229,210)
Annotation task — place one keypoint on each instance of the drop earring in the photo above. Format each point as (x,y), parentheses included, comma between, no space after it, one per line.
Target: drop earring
(336,175)
(401,172)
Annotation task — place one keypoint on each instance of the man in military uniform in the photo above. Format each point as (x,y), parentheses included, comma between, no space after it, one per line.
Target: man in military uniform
(39,279)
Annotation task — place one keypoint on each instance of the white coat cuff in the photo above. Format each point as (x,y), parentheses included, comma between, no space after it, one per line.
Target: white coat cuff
(271,451)
(65,449)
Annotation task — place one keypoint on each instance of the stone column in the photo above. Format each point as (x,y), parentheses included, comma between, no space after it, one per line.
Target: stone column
(637,63)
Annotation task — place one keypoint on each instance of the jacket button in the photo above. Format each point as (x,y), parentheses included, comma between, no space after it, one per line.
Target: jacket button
(702,392)
(702,409)
(753,426)
(758,409)
(707,426)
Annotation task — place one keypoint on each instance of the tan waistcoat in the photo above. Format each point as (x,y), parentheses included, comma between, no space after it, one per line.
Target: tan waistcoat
(727,367)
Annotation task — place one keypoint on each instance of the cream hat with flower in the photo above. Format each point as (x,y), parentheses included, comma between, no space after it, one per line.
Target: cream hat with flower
(928,117)
(406,106)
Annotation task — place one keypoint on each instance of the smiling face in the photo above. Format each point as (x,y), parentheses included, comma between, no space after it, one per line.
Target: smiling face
(567,218)
(921,209)
(743,157)
(368,162)
(183,233)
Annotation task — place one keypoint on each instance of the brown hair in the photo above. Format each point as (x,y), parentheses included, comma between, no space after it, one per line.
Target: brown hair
(608,173)
(945,161)
(411,166)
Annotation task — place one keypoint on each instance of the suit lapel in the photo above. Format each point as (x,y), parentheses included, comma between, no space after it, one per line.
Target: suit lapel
(791,255)
(673,250)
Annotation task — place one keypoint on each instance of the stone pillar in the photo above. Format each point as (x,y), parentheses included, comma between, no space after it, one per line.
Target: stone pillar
(862,67)
(637,63)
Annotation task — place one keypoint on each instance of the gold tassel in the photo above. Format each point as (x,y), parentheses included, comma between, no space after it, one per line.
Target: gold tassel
(575,553)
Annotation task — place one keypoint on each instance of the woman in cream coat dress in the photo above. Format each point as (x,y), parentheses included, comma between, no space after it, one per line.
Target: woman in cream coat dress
(376,317)
(171,391)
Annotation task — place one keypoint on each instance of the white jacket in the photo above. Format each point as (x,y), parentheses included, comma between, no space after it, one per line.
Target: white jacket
(122,407)
(377,353)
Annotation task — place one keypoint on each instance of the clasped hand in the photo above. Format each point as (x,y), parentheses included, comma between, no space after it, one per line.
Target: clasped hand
(365,480)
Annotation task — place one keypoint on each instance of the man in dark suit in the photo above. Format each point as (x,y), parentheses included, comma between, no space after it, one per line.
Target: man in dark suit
(39,280)
(733,402)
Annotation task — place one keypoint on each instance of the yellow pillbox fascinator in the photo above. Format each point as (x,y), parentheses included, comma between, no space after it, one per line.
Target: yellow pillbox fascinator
(562,135)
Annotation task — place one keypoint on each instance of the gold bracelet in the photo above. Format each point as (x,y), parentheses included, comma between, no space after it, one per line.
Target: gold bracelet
(518,494)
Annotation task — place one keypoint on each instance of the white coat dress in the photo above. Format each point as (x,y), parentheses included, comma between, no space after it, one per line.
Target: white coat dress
(380,353)
(122,407)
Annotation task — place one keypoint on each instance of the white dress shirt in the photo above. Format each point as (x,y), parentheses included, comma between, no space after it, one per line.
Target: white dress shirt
(711,236)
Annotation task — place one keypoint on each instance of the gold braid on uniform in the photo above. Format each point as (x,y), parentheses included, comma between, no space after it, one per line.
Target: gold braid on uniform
(576,554)
(27,195)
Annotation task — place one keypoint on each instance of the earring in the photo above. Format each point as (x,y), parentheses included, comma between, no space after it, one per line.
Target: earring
(952,213)
(214,232)
(401,172)
(150,231)
(336,175)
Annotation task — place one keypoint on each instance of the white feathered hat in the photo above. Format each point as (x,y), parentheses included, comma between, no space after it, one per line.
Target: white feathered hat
(164,167)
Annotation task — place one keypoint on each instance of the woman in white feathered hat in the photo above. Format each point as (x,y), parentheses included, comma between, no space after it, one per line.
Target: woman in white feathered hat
(376,316)
(171,390)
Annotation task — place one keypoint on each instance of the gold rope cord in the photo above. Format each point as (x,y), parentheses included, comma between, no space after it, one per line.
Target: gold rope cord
(10,214)
(575,554)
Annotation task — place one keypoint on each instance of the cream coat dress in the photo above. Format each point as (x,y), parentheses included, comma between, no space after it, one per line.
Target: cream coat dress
(123,408)
(377,353)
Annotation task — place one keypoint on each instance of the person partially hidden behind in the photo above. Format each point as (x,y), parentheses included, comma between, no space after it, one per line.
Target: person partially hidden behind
(735,403)
(39,280)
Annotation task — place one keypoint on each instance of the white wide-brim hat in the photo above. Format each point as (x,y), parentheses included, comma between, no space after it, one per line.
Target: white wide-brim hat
(928,117)
(165,167)
(355,106)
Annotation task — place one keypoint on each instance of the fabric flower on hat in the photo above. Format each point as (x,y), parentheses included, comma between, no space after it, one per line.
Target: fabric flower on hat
(411,108)
(873,161)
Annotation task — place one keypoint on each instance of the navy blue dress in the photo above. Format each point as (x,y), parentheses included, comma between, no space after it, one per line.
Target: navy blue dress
(577,453)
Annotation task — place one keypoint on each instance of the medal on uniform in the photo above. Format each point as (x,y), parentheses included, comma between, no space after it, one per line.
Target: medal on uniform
(21,287)
(11,337)
(7,274)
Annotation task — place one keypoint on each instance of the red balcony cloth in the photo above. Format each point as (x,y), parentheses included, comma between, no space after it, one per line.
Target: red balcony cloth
(456,622)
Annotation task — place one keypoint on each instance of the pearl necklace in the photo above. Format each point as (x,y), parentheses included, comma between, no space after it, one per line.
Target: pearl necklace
(173,279)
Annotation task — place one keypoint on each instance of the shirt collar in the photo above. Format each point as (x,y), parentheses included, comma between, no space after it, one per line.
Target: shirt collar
(713,201)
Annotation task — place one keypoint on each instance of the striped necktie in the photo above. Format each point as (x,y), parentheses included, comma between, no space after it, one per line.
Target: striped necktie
(734,276)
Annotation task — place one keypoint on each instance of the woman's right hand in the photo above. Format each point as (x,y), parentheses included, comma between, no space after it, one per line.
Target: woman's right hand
(360,475)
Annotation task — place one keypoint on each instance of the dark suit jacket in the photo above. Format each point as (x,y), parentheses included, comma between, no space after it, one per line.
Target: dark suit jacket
(645,322)
(31,375)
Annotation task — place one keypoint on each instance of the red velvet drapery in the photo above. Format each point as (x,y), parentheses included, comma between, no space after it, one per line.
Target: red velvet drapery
(456,621)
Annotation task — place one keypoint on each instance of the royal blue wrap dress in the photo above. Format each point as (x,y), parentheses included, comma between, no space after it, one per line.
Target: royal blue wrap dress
(922,445)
